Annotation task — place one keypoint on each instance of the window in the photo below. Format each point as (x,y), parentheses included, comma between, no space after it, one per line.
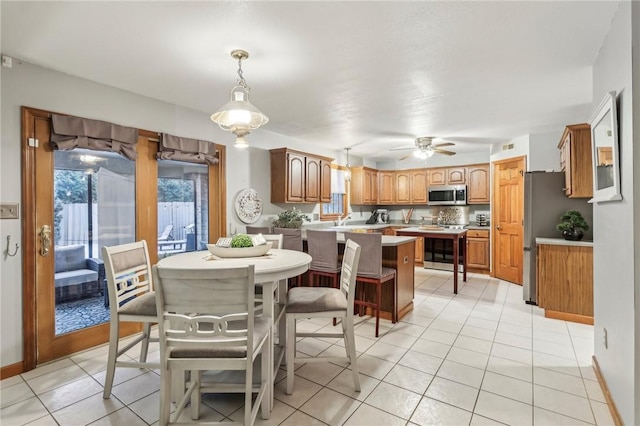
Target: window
(338,205)
(182,207)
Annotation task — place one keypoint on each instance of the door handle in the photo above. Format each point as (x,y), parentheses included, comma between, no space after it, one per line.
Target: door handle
(45,240)
(498,227)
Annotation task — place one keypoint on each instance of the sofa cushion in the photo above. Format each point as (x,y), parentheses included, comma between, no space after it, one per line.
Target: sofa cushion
(69,258)
(79,276)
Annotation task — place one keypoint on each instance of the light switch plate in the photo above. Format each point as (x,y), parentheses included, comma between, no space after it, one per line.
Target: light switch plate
(9,211)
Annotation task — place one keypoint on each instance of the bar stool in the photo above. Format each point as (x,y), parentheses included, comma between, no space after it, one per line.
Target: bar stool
(371,271)
(323,248)
(291,240)
(258,230)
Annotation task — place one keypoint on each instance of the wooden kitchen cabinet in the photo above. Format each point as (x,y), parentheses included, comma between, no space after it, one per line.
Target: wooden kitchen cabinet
(456,176)
(403,187)
(437,176)
(364,185)
(564,282)
(575,161)
(478,184)
(478,250)
(297,177)
(419,186)
(419,255)
(325,181)
(447,176)
(386,187)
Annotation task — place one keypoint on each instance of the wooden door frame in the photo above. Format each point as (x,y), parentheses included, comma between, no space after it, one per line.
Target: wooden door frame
(494,187)
(217,220)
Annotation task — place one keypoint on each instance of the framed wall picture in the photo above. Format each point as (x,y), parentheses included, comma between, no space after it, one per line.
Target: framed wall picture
(605,155)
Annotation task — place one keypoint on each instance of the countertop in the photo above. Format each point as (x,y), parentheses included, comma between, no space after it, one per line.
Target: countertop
(387,240)
(434,231)
(563,242)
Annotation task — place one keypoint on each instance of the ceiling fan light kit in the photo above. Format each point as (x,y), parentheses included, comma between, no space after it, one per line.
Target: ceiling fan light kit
(425,148)
(239,116)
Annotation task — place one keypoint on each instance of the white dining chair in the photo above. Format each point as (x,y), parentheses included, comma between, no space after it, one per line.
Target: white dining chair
(131,299)
(325,302)
(207,322)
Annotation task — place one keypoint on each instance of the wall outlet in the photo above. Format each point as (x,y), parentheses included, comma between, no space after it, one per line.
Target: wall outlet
(604,338)
(316,216)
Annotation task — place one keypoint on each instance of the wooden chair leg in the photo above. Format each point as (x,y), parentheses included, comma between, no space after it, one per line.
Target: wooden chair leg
(378,299)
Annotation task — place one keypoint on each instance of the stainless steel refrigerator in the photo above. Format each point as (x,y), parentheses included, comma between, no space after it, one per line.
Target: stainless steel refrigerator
(544,203)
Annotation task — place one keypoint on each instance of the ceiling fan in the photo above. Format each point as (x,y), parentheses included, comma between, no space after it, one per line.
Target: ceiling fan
(425,148)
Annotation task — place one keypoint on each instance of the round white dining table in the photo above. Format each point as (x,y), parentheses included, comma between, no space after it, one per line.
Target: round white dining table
(278,264)
(271,273)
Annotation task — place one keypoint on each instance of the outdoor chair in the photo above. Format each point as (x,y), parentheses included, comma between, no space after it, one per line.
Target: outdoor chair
(132,299)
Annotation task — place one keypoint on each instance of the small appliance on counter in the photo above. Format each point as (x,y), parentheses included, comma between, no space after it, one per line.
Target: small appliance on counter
(383,215)
(374,218)
(481,219)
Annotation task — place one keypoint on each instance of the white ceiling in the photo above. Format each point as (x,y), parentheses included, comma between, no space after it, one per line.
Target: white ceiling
(371,75)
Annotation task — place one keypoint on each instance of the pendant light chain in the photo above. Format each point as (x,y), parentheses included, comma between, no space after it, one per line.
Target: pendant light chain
(241,80)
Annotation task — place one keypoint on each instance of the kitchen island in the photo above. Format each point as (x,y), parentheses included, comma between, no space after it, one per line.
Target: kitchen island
(459,238)
(397,253)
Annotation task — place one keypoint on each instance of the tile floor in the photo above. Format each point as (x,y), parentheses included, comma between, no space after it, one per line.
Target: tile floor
(482,357)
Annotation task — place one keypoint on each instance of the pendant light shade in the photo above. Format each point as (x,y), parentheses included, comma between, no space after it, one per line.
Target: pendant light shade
(239,116)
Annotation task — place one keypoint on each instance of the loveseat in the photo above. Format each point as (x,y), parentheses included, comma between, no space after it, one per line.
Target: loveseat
(76,276)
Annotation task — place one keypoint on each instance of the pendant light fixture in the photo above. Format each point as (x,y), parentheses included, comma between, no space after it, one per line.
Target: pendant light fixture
(347,172)
(239,116)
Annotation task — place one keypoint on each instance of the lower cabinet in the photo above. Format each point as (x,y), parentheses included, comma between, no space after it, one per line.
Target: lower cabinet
(478,250)
(419,260)
(564,282)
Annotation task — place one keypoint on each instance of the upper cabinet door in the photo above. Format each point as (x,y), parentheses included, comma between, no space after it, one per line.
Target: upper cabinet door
(456,175)
(312,188)
(325,181)
(403,187)
(419,187)
(437,177)
(386,188)
(478,184)
(295,178)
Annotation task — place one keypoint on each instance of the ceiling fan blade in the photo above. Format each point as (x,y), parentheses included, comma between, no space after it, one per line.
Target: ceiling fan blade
(444,151)
(402,149)
(438,145)
(405,157)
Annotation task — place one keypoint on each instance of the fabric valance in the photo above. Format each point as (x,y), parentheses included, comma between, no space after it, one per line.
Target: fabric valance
(69,132)
(185,149)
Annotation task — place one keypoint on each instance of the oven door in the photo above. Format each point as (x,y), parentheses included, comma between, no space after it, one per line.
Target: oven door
(438,254)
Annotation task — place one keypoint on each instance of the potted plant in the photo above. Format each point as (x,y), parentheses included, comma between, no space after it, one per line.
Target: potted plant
(572,225)
(291,218)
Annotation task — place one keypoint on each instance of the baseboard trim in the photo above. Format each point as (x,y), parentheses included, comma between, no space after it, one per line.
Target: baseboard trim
(607,395)
(11,370)
(565,316)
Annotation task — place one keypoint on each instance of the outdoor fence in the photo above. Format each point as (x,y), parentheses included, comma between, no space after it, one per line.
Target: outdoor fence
(74,227)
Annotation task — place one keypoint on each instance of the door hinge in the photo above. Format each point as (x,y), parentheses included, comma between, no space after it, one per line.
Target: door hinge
(33,142)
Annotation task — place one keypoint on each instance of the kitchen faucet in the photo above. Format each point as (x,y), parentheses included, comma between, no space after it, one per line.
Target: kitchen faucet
(341,221)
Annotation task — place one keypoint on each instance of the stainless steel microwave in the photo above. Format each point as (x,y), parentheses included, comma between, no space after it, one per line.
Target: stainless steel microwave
(447,195)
